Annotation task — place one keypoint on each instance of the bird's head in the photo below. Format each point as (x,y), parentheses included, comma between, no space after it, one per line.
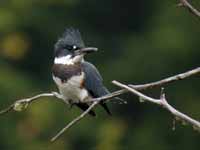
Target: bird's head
(70,48)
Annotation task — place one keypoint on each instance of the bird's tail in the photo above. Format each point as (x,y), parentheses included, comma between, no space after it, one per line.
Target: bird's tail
(117,99)
(84,107)
(105,107)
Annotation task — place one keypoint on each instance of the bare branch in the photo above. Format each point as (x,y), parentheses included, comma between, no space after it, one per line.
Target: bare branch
(6,110)
(187,5)
(165,81)
(74,121)
(162,102)
(134,87)
(151,85)
(22,104)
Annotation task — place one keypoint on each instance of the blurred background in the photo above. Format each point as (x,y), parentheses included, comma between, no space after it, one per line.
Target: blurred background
(138,41)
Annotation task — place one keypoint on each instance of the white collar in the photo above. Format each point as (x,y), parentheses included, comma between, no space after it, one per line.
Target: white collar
(68,60)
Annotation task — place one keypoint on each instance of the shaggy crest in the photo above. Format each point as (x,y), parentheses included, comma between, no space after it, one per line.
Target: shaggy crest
(72,37)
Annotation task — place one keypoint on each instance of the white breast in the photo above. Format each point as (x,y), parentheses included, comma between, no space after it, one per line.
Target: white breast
(71,89)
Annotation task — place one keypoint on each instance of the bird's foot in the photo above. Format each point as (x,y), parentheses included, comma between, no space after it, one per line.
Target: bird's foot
(58,95)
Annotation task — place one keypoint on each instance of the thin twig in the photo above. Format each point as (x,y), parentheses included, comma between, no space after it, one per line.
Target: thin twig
(19,105)
(22,104)
(6,110)
(162,102)
(134,87)
(187,5)
(74,121)
(151,85)
(165,81)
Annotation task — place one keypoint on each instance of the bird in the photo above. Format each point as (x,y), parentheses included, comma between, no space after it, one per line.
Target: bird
(77,80)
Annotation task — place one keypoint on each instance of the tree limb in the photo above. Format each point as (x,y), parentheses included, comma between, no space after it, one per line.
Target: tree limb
(142,87)
(162,102)
(74,121)
(187,5)
(151,85)
(22,104)
(165,81)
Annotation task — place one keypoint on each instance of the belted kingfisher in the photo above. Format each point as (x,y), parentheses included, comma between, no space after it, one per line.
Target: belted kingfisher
(76,79)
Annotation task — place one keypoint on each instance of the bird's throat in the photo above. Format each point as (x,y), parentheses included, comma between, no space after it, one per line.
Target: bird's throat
(69,60)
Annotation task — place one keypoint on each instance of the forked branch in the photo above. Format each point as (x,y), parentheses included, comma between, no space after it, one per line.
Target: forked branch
(162,102)
(133,88)
(22,104)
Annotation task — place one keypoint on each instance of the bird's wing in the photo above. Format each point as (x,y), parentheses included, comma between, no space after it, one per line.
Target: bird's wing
(94,83)
(93,80)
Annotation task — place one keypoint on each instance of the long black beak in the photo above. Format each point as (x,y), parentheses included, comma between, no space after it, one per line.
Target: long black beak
(86,50)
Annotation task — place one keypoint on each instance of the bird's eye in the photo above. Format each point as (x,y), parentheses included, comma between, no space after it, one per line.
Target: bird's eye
(74,47)
(71,47)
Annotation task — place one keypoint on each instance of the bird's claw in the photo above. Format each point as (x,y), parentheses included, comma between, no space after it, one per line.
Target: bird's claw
(56,94)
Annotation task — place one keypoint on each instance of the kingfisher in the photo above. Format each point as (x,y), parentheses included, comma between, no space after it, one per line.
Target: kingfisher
(78,81)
